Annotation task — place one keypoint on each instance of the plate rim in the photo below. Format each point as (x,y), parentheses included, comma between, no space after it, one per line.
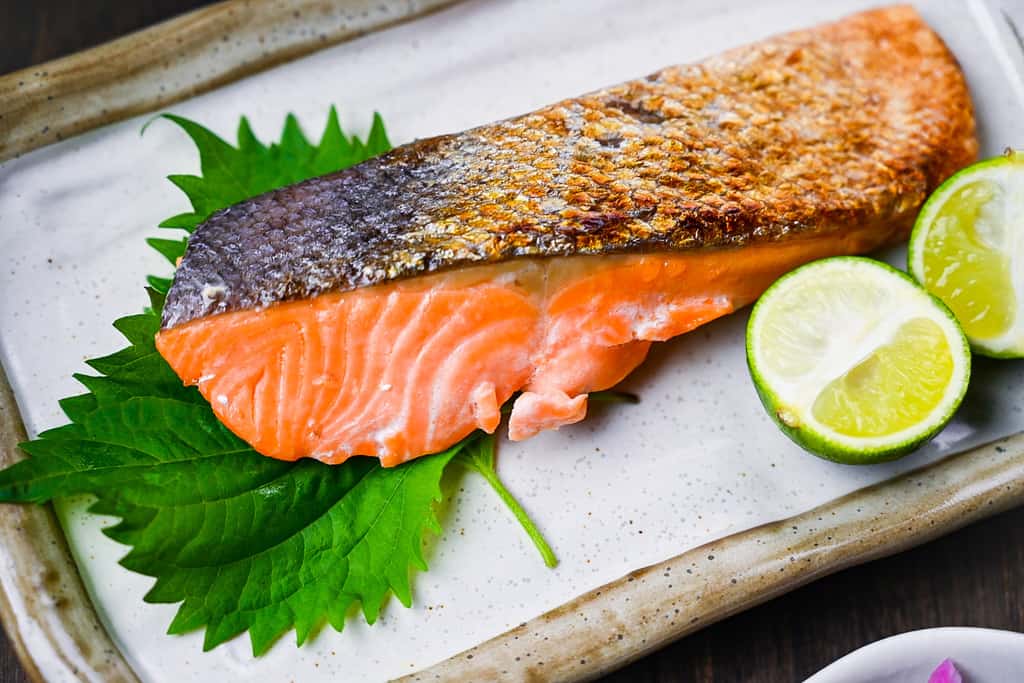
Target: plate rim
(580,640)
(177,59)
(732,573)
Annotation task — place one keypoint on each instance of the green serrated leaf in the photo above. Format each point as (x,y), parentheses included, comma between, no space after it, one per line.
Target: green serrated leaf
(294,151)
(233,174)
(183,221)
(377,142)
(333,146)
(243,542)
(159,284)
(171,250)
(285,549)
(225,176)
(248,143)
(77,407)
(156,300)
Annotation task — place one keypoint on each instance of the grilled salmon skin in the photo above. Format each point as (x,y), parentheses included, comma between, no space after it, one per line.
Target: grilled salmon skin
(390,309)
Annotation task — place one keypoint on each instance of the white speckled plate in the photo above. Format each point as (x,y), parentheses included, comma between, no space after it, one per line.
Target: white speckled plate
(696,461)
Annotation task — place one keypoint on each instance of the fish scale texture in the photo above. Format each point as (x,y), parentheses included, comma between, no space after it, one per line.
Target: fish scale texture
(850,122)
(340,316)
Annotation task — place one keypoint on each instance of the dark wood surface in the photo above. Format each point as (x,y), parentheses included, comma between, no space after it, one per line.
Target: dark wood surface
(974,577)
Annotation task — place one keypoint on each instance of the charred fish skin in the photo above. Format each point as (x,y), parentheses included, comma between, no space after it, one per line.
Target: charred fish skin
(849,123)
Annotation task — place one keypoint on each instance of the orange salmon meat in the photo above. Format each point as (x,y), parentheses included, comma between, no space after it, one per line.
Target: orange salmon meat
(392,308)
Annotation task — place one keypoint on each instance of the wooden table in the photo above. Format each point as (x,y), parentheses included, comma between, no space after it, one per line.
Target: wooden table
(974,577)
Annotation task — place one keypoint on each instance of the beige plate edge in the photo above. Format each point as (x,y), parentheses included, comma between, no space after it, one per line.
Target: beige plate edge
(44,607)
(177,59)
(621,621)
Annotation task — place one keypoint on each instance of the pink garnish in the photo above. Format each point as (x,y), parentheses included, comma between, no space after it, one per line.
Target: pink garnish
(946,673)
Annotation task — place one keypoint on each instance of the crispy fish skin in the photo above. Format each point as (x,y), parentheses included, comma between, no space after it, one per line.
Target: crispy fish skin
(845,124)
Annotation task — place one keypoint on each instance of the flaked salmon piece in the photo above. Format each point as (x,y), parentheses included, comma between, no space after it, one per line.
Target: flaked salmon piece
(406,368)
(392,308)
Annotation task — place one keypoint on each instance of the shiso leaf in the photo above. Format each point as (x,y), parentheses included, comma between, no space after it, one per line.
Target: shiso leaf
(233,174)
(242,541)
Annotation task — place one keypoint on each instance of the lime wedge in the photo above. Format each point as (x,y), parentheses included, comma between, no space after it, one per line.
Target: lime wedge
(967,248)
(855,361)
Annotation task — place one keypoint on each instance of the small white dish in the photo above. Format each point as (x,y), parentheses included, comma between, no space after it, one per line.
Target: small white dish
(981,655)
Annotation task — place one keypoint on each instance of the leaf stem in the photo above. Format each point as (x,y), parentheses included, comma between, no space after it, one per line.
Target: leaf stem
(480,457)
(520,514)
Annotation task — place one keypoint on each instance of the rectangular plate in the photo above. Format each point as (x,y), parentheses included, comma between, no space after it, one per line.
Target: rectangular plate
(695,461)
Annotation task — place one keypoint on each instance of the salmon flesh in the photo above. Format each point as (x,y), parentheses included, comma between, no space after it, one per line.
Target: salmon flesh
(390,309)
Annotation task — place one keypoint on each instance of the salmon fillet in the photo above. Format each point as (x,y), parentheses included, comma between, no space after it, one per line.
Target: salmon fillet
(392,308)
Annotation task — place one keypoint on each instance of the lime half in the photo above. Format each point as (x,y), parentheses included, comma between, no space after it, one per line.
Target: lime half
(967,248)
(855,361)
